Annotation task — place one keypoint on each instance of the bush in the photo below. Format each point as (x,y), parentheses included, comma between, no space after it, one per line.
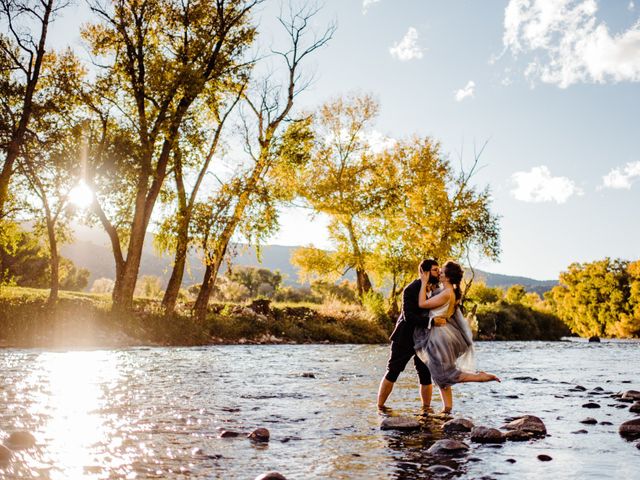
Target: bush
(512,321)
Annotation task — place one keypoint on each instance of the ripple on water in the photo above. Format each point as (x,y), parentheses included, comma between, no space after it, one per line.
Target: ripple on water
(157,412)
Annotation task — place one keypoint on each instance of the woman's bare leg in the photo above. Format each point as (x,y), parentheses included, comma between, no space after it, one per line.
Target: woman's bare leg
(447,399)
(477,377)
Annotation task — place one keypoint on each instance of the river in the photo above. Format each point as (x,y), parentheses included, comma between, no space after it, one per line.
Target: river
(158,412)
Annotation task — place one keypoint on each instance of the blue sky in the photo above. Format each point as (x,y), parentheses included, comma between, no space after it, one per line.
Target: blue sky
(553,85)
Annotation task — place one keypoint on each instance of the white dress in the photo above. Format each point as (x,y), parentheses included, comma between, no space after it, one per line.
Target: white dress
(446,350)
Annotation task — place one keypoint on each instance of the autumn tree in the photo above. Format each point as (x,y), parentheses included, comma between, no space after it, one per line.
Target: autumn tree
(344,182)
(598,298)
(22,52)
(157,58)
(274,142)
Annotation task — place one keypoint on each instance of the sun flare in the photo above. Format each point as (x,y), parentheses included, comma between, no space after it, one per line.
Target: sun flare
(81,195)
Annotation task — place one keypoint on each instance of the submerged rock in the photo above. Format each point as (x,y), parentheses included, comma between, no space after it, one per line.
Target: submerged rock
(487,435)
(440,469)
(448,447)
(259,435)
(399,423)
(308,375)
(594,339)
(518,436)
(635,408)
(591,405)
(606,423)
(458,425)
(528,423)
(580,431)
(544,458)
(19,440)
(271,476)
(630,430)
(229,434)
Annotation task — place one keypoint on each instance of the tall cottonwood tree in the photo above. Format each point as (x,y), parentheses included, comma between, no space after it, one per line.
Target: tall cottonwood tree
(22,51)
(344,181)
(158,58)
(249,200)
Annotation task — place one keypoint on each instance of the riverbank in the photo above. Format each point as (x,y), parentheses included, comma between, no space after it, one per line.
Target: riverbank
(85,320)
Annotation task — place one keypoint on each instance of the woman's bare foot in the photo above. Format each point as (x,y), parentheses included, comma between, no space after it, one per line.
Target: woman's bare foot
(487,377)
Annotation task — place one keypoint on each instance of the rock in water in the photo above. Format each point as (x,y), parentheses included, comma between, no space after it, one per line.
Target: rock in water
(5,454)
(630,429)
(518,436)
(440,470)
(635,408)
(591,405)
(228,434)
(259,435)
(448,447)
(589,421)
(271,476)
(19,440)
(544,458)
(631,395)
(580,431)
(487,435)
(458,425)
(594,339)
(399,423)
(528,423)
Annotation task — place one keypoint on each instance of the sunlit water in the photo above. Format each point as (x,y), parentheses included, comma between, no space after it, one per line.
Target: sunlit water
(157,413)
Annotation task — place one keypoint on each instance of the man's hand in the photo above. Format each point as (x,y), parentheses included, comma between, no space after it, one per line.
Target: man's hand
(439,321)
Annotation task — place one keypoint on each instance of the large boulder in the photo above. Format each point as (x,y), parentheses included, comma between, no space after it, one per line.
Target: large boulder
(458,425)
(518,436)
(631,395)
(487,435)
(528,423)
(630,429)
(449,447)
(399,423)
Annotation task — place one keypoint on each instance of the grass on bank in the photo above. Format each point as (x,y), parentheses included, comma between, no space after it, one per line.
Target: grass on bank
(86,319)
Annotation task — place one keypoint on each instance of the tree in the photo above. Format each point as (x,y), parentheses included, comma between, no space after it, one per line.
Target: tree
(248,199)
(158,58)
(255,278)
(22,53)
(344,182)
(515,294)
(596,298)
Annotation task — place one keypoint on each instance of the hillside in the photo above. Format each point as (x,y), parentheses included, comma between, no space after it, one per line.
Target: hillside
(92,251)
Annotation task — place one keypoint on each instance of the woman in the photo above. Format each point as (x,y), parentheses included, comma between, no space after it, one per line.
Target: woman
(448,349)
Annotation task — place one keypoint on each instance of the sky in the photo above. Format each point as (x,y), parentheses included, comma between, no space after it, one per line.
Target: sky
(552,86)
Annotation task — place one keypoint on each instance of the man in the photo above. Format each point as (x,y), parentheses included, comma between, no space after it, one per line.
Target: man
(402,350)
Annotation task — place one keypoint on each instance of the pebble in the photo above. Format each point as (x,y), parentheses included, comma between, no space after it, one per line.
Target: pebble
(605,423)
(229,434)
(544,458)
(510,460)
(308,375)
(589,421)
(591,405)
(580,431)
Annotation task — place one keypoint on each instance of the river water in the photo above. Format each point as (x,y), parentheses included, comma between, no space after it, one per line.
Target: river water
(158,412)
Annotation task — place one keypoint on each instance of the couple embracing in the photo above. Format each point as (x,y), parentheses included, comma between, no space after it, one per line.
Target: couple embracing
(432,331)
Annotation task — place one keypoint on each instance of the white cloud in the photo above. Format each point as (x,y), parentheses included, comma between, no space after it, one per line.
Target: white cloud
(537,185)
(465,92)
(366,4)
(631,6)
(622,177)
(570,43)
(407,48)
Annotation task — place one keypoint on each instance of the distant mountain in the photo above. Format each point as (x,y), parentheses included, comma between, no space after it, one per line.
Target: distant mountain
(92,250)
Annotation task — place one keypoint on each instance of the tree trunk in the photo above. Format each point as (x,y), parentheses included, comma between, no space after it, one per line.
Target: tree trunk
(54,262)
(173,287)
(362,282)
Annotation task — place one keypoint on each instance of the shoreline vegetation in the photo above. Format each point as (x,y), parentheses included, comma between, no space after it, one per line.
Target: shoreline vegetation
(86,320)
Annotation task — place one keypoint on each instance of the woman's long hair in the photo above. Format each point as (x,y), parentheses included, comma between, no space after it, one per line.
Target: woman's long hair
(454,274)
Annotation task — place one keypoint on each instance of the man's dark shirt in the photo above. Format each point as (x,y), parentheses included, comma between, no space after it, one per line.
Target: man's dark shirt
(412,315)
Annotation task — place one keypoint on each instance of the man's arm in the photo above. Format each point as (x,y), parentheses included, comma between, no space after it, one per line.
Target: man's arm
(413,314)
